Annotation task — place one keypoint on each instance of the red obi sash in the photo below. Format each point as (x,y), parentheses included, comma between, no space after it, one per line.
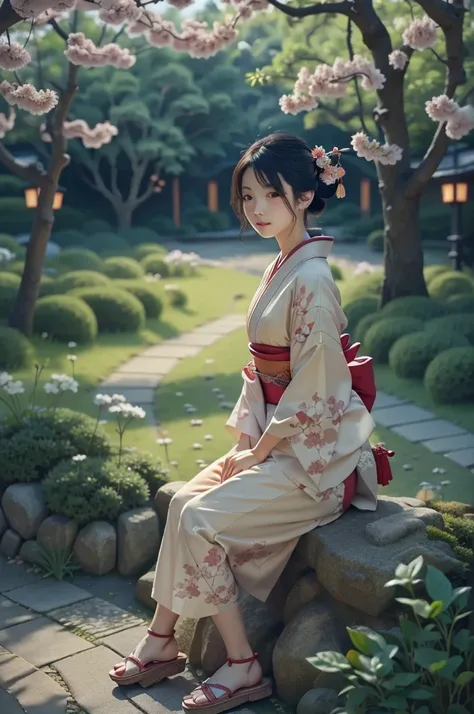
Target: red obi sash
(273,378)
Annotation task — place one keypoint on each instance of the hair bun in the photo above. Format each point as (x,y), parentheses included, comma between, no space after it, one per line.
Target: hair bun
(325,190)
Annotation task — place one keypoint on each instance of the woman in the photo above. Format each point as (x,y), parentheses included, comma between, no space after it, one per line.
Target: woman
(302,425)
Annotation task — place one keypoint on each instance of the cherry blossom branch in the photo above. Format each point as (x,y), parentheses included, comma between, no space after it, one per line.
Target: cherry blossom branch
(31,173)
(59,30)
(8,16)
(350,50)
(342,8)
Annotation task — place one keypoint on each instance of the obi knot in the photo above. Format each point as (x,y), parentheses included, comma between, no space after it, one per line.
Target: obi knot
(382,464)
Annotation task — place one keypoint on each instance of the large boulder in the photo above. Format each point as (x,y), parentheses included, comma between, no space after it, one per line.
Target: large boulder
(95,548)
(163,497)
(3,523)
(318,701)
(306,589)
(355,556)
(10,543)
(138,539)
(25,508)
(57,533)
(31,552)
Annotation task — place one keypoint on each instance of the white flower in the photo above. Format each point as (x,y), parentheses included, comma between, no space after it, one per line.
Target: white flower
(197,446)
(373,150)
(72,345)
(102,400)
(208,437)
(115,409)
(196,422)
(14,387)
(363,267)
(72,358)
(164,441)
(421,34)
(174,463)
(398,59)
(51,388)
(118,398)
(79,457)
(44,335)
(68,385)
(134,412)
(5,255)
(5,378)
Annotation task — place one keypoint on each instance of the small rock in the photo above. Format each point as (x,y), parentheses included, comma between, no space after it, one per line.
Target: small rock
(305,590)
(397,526)
(10,543)
(57,533)
(143,589)
(138,538)
(3,523)
(25,508)
(318,701)
(30,552)
(407,467)
(96,547)
(164,496)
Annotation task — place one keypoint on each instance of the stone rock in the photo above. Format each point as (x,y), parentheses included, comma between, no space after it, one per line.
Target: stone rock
(24,508)
(57,533)
(163,497)
(399,525)
(30,552)
(207,651)
(306,589)
(143,589)
(3,523)
(317,701)
(138,539)
(95,548)
(354,569)
(185,629)
(10,543)
(314,629)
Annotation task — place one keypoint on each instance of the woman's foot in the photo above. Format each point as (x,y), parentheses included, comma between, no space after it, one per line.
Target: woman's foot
(149,649)
(234,677)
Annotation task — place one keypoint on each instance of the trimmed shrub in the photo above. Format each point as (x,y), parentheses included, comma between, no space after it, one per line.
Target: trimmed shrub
(432,271)
(451,283)
(106,242)
(149,468)
(149,298)
(16,267)
(11,185)
(16,352)
(376,240)
(364,226)
(384,333)
(454,508)
(411,354)
(177,297)
(449,378)
(461,303)
(423,308)
(123,268)
(141,251)
(79,259)
(116,310)
(69,239)
(9,284)
(182,270)
(68,218)
(460,323)
(357,309)
(140,234)
(205,220)
(81,279)
(342,213)
(12,245)
(365,324)
(97,225)
(16,218)
(363,285)
(65,318)
(155,264)
(336,271)
(93,490)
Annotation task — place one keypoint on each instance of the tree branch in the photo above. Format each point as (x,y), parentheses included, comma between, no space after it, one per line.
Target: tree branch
(330,8)
(8,17)
(360,103)
(31,173)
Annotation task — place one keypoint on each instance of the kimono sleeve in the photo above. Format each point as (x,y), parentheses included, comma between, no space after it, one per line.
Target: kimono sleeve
(311,409)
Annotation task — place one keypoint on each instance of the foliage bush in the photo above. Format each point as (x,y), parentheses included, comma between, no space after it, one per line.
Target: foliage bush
(97,225)
(375,240)
(461,303)
(48,286)
(11,185)
(458,322)
(65,318)
(16,352)
(451,283)
(411,354)
(68,218)
(8,242)
(205,220)
(425,667)
(365,226)
(106,242)
(458,531)
(81,279)
(343,212)
(16,267)
(69,239)
(435,222)
(357,309)
(176,296)
(363,285)
(149,468)
(9,284)
(432,271)
(141,251)
(364,325)
(148,296)
(140,234)
(123,268)
(93,490)
(16,218)
(453,508)
(423,308)
(449,378)
(384,333)
(79,259)
(336,271)
(116,310)
(155,264)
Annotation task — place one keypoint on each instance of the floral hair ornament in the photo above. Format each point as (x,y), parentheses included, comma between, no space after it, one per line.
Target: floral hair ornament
(330,172)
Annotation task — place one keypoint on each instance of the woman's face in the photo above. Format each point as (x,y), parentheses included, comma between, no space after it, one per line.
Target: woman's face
(265,209)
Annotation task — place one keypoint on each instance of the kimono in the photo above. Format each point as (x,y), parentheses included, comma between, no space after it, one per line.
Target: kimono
(306,386)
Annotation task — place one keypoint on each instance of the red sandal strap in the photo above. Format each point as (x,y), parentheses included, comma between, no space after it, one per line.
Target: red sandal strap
(156,634)
(230,661)
(209,694)
(136,661)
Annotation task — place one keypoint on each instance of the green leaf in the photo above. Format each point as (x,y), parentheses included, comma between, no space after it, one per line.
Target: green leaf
(436,608)
(404,679)
(461,616)
(464,678)
(461,596)
(329,662)
(395,702)
(427,656)
(421,607)
(422,710)
(438,586)
(356,697)
(353,657)
(367,642)
(458,709)
(421,694)
(461,640)
(453,663)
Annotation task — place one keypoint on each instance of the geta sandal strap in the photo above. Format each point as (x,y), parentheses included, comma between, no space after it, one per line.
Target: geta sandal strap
(230,661)
(136,661)
(209,694)
(152,633)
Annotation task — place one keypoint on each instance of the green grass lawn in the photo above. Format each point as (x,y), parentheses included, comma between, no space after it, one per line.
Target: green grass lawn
(210,297)
(229,355)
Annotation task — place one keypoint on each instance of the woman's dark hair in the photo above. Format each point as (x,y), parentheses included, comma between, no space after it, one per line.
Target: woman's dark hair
(281,155)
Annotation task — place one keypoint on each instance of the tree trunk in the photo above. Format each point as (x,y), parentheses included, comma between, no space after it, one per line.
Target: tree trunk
(124,213)
(403,252)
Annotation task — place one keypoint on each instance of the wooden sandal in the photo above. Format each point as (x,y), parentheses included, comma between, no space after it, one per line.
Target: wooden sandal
(150,672)
(230,699)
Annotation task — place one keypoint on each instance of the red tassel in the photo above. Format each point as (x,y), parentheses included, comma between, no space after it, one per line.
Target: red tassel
(382,464)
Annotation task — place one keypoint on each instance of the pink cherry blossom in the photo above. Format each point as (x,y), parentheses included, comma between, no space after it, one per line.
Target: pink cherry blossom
(373,150)
(13,56)
(441,108)
(7,122)
(82,51)
(398,59)
(119,11)
(25,96)
(461,123)
(91,137)
(180,4)
(32,8)
(142,24)
(421,34)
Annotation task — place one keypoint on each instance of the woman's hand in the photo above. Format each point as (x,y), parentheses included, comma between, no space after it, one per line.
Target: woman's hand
(239,461)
